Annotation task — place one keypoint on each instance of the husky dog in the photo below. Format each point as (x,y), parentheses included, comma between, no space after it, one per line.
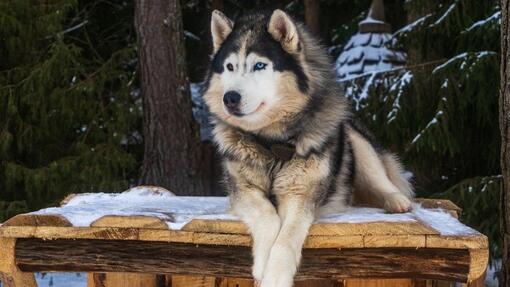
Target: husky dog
(292,150)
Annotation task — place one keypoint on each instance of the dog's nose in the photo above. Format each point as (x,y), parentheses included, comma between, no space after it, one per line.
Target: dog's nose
(231,100)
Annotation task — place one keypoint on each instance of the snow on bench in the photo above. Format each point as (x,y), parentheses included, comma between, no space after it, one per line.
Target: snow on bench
(152,230)
(83,210)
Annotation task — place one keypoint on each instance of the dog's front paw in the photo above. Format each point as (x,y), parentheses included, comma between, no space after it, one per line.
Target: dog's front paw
(258,269)
(280,268)
(397,203)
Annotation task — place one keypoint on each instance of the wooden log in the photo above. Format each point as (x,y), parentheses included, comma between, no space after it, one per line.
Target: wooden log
(10,274)
(475,241)
(123,280)
(38,220)
(233,261)
(379,283)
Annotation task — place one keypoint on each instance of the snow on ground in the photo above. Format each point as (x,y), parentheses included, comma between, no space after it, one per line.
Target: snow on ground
(58,279)
(177,211)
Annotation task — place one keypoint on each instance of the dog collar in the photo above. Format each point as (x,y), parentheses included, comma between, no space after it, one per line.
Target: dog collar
(283,151)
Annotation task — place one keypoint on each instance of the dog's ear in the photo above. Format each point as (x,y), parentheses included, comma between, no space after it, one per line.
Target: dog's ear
(283,30)
(221,26)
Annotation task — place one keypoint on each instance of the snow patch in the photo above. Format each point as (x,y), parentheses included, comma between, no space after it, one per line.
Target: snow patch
(81,210)
(496,17)
(446,14)
(411,26)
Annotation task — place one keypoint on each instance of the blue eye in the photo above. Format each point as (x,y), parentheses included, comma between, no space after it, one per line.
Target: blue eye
(259,66)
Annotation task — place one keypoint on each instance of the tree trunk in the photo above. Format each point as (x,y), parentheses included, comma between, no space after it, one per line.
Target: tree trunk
(312,16)
(217,5)
(172,155)
(504,118)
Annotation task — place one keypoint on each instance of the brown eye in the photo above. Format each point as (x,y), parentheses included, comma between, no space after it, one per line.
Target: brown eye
(230,67)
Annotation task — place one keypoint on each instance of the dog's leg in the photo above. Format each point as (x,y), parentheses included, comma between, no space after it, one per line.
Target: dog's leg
(297,215)
(372,183)
(259,214)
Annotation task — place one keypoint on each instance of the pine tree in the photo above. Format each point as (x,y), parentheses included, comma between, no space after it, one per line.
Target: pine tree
(68,118)
(440,111)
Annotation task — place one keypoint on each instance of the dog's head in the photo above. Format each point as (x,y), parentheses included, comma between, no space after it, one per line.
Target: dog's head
(257,78)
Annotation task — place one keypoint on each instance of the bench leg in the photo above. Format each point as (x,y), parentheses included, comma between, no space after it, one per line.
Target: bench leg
(125,280)
(10,274)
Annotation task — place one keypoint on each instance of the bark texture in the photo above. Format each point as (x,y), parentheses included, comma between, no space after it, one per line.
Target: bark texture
(36,255)
(504,119)
(312,8)
(172,157)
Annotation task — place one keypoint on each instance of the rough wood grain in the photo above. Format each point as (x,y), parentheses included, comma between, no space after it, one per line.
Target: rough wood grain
(218,261)
(233,282)
(366,228)
(192,281)
(122,280)
(379,283)
(38,220)
(478,265)
(130,222)
(173,155)
(461,242)
(478,241)
(10,274)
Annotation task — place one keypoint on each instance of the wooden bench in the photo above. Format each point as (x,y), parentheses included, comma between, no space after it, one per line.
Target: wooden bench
(200,245)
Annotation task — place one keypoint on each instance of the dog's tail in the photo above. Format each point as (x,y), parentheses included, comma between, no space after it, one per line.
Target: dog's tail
(396,174)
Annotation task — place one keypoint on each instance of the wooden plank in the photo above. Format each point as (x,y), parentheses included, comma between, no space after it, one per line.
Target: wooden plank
(130,222)
(122,280)
(192,281)
(379,283)
(478,265)
(206,260)
(340,229)
(371,228)
(413,241)
(480,282)
(96,279)
(478,241)
(233,282)
(355,241)
(319,283)
(38,220)
(10,274)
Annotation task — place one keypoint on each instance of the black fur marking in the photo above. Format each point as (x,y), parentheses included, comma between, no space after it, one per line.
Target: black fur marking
(337,161)
(365,133)
(266,46)
(352,173)
(228,47)
(260,42)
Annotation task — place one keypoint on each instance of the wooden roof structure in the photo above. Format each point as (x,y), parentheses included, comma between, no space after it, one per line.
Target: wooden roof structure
(220,247)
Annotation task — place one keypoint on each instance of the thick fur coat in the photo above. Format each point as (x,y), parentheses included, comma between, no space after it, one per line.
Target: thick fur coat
(292,150)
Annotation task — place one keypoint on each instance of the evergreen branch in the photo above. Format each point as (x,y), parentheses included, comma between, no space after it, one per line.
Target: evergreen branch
(68,30)
(495,17)
(393,70)
(445,14)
